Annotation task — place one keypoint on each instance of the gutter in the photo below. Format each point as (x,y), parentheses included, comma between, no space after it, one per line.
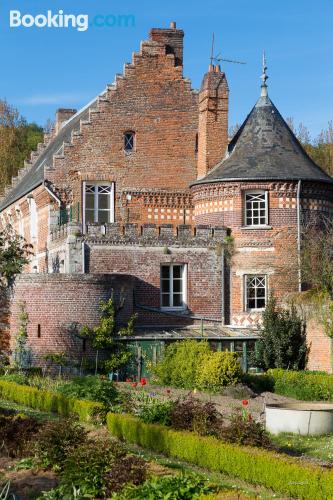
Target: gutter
(298,205)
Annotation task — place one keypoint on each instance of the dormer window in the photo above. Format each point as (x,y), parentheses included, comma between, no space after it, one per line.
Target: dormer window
(256,208)
(129,142)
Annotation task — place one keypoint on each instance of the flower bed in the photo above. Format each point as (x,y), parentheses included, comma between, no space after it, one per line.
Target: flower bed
(282,474)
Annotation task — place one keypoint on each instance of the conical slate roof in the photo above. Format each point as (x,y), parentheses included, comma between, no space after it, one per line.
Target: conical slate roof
(265,148)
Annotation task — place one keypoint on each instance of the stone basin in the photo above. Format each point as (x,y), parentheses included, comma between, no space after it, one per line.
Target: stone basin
(305,419)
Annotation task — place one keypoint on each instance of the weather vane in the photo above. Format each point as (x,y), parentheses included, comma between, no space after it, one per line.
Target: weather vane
(264,76)
(219,57)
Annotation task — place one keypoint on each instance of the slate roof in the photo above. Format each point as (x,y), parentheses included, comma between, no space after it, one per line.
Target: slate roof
(265,148)
(35,176)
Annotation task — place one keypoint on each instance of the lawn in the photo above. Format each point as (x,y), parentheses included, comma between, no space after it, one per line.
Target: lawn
(320,447)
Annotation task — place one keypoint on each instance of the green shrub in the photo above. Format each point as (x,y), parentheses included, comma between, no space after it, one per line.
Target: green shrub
(48,401)
(277,472)
(155,411)
(260,382)
(56,440)
(92,388)
(184,487)
(180,363)
(218,370)
(308,386)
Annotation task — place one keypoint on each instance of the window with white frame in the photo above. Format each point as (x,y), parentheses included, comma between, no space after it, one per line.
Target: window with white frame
(255,291)
(129,142)
(173,286)
(256,208)
(98,203)
(33,219)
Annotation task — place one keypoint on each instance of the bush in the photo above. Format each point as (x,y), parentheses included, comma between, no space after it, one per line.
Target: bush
(128,470)
(155,411)
(87,466)
(218,370)
(92,388)
(243,430)
(282,342)
(184,487)
(56,440)
(16,432)
(280,473)
(194,415)
(48,401)
(259,383)
(180,363)
(307,386)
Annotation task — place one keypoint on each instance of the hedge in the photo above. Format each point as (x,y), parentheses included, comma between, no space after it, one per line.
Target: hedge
(279,473)
(305,385)
(48,401)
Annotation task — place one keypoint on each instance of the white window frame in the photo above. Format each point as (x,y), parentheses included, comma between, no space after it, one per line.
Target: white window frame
(112,204)
(255,192)
(246,298)
(171,307)
(33,212)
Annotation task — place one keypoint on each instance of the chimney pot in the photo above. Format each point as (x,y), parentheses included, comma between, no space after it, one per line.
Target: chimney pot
(173,25)
(210,68)
(217,68)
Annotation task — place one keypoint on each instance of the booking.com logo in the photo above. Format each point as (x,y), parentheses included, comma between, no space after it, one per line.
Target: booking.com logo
(80,22)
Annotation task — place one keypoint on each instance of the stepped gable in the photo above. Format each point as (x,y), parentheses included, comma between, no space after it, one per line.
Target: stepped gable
(265,148)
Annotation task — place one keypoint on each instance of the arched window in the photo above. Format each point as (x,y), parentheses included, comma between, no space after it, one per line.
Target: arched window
(129,141)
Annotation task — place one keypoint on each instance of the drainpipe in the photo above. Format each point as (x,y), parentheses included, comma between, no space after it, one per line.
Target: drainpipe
(222,288)
(298,198)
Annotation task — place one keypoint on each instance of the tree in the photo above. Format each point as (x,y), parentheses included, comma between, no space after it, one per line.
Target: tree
(107,337)
(22,355)
(282,342)
(17,139)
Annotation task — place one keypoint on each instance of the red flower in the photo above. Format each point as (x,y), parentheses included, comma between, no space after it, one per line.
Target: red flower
(245,402)
(128,380)
(250,418)
(143,381)
(168,391)
(134,384)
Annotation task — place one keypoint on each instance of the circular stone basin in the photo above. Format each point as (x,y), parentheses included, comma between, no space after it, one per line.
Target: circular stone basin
(300,418)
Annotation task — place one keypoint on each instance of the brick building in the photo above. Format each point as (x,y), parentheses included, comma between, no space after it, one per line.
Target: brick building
(139,192)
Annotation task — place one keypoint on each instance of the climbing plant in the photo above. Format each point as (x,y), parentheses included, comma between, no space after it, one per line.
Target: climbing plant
(22,354)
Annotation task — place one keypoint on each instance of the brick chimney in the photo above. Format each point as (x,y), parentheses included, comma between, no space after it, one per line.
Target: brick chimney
(213,119)
(172,38)
(62,115)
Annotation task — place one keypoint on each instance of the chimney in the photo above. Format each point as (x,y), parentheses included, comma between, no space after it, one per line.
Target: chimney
(213,119)
(172,38)
(62,115)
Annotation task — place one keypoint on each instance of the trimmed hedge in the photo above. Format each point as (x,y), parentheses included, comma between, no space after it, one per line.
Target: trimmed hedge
(279,473)
(308,386)
(48,401)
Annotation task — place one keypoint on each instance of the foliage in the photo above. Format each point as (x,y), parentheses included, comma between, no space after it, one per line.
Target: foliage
(87,465)
(48,401)
(254,465)
(22,355)
(17,139)
(107,336)
(180,363)
(304,385)
(194,415)
(92,388)
(129,469)
(152,410)
(184,487)
(15,433)
(14,252)
(243,430)
(217,370)
(259,382)
(282,342)
(56,440)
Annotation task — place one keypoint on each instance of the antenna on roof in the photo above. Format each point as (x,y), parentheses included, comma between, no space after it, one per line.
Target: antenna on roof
(264,76)
(219,57)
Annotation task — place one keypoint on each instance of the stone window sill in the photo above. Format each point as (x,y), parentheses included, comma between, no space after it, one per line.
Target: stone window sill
(253,228)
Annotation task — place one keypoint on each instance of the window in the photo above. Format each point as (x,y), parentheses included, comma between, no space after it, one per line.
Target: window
(33,219)
(98,203)
(256,208)
(173,286)
(256,291)
(129,138)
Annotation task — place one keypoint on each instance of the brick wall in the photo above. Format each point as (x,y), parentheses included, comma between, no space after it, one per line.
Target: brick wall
(54,301)
(320,354)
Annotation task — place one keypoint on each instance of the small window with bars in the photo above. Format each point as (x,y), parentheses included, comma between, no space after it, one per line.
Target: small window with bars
(256,292)
(129,142)
(99,206)
(173,286)
(256,208)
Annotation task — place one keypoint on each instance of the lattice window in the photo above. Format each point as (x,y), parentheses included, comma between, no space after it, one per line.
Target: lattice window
(173,286)
(256,291)
(129,142)
(99,206)
(256,209)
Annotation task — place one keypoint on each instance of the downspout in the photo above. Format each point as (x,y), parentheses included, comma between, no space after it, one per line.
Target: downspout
(222,288)
(298,199)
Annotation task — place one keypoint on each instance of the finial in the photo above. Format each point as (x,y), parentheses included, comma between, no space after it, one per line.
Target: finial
(264,76)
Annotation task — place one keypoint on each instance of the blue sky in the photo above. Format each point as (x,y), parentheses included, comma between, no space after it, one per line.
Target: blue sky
(43,69)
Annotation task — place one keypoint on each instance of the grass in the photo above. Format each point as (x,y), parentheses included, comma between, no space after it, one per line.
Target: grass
(29,412)
(320,447)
